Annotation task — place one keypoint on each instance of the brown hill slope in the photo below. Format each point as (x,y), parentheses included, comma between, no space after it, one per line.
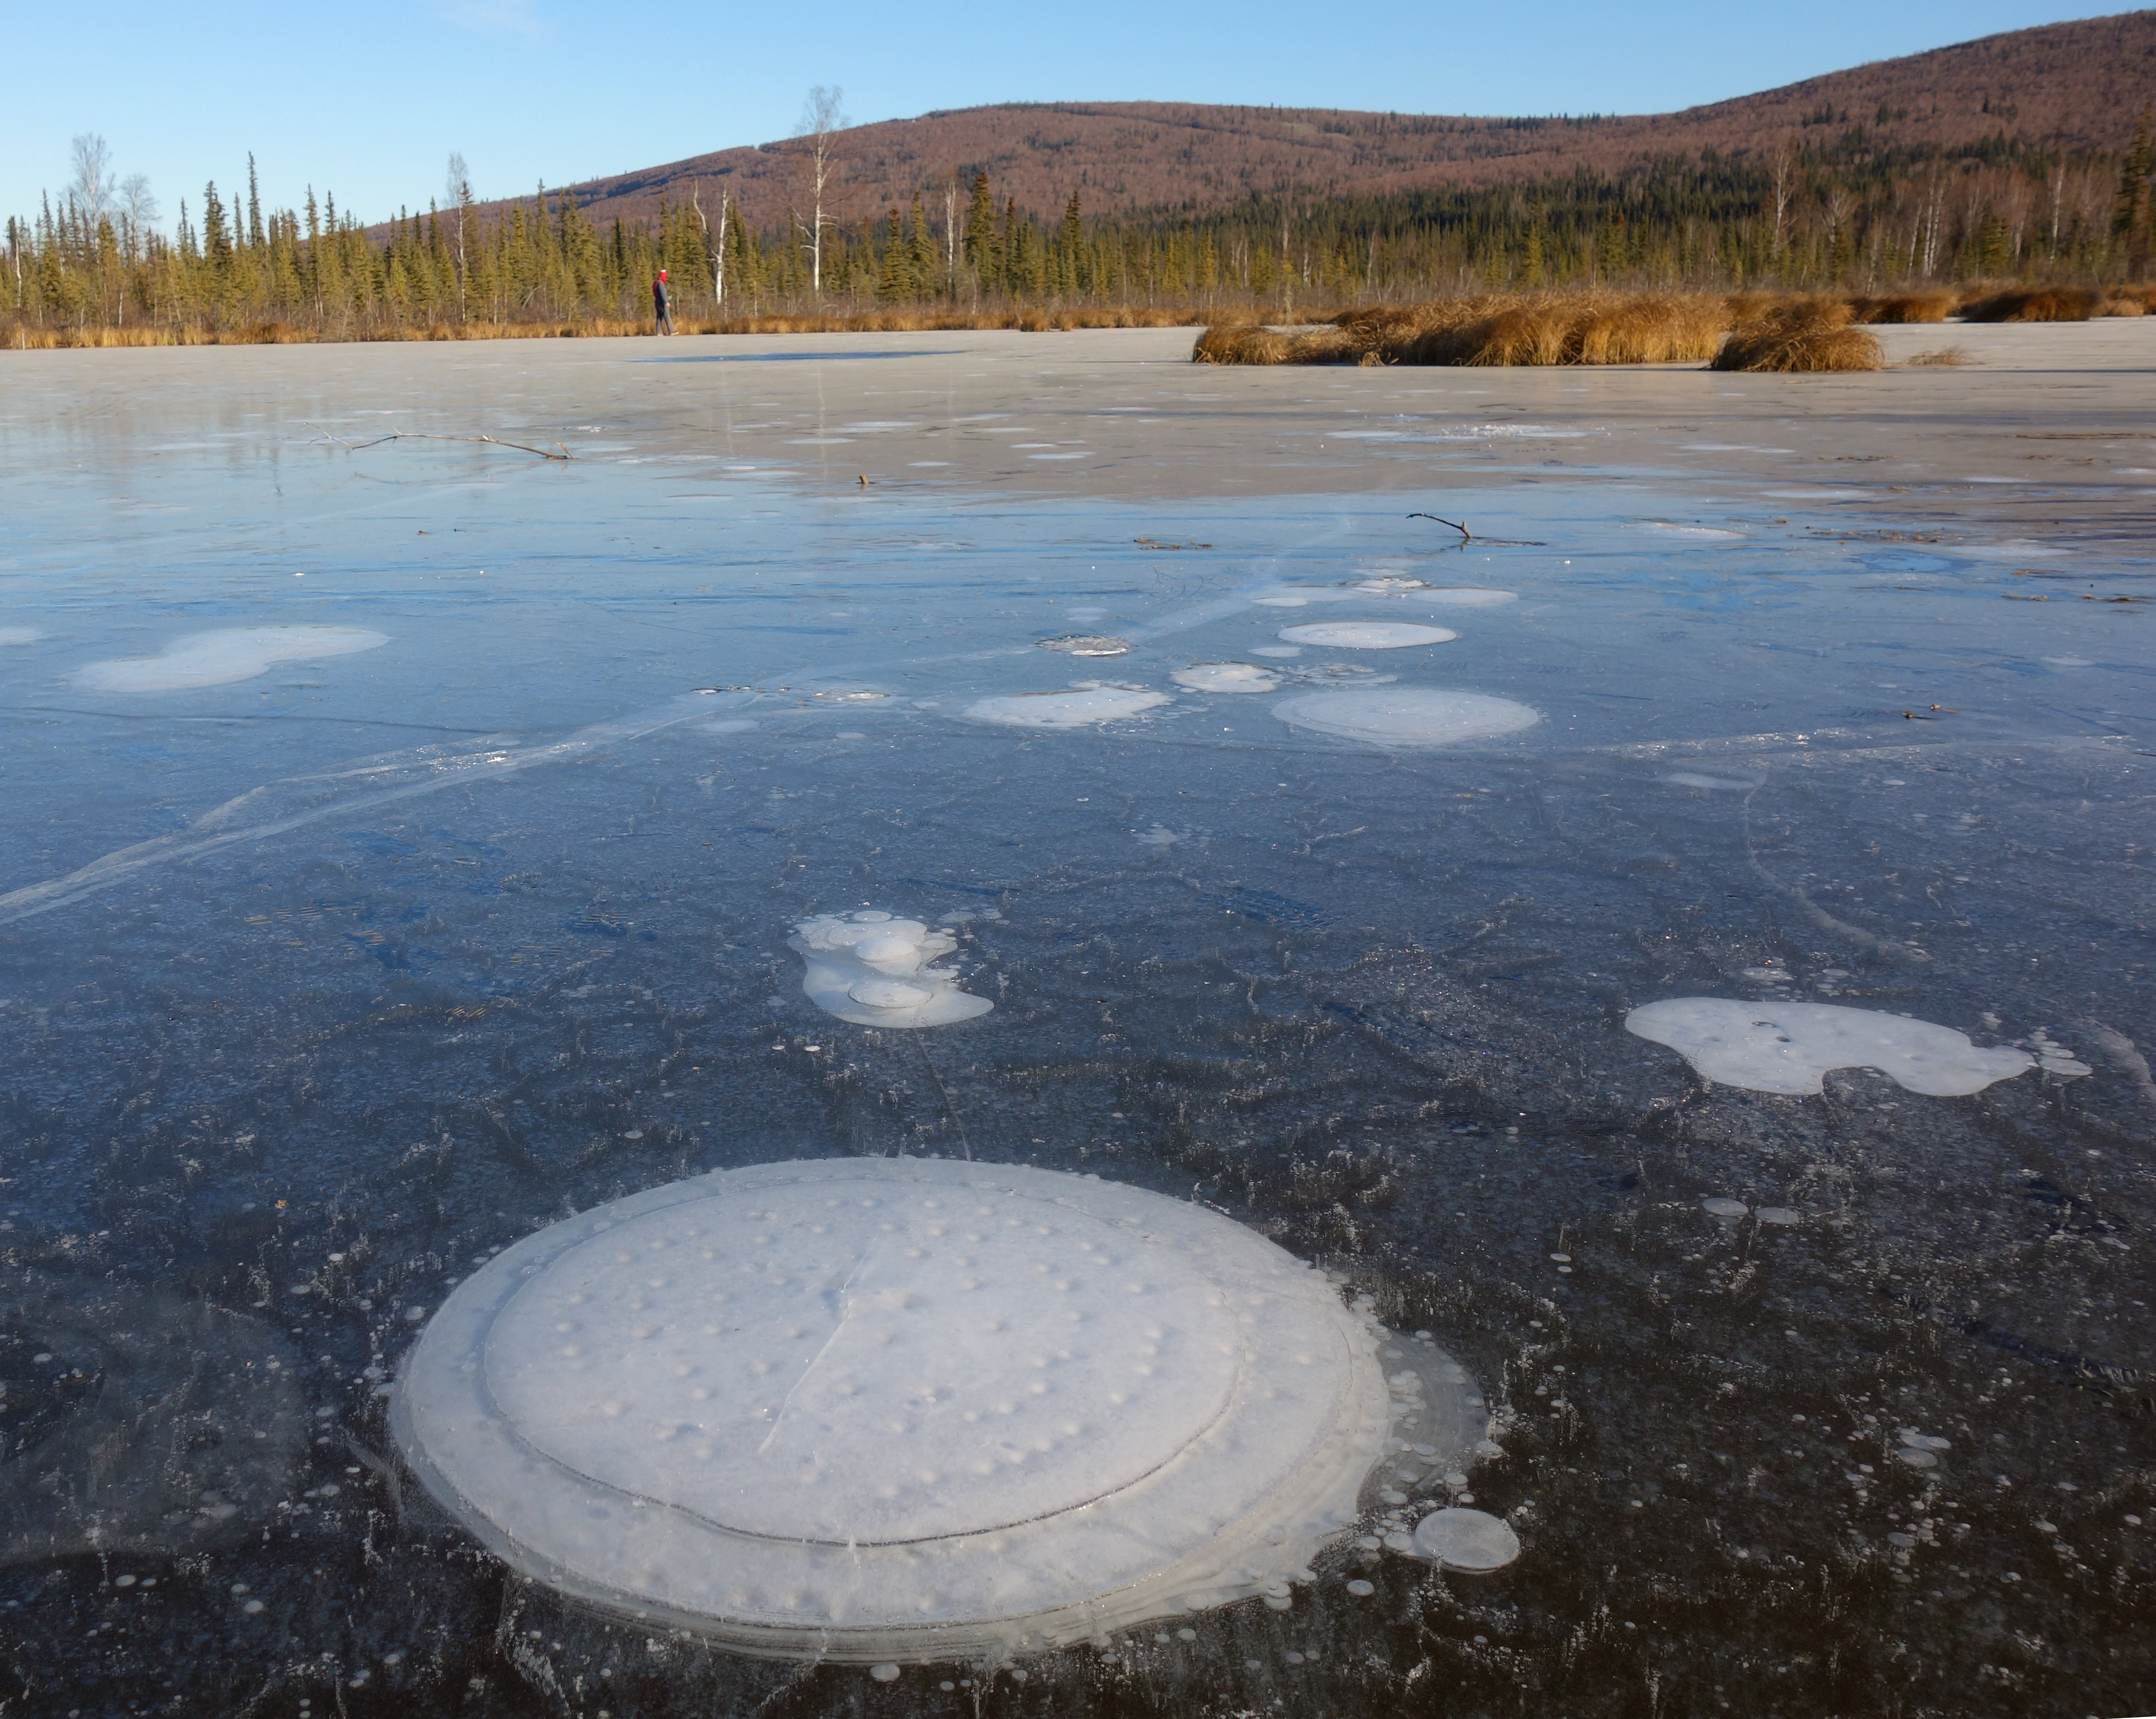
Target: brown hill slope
(2083,83)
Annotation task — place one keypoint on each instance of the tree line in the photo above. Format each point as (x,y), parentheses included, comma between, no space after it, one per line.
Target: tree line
(1803,212)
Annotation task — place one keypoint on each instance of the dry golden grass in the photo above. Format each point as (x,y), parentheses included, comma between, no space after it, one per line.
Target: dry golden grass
(2122,306)
(2033,304)
(1491,329)
(1804,337)
(1934,306)
(1946,357)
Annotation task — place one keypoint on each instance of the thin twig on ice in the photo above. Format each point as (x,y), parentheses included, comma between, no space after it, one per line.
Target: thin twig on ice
(429,436)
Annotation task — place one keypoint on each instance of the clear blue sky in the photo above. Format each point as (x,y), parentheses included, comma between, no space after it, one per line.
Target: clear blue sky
(369,100)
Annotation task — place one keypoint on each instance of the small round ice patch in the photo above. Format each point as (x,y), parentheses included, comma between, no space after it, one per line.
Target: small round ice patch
(1367,635)
(1406,716)
(1471,1540)
(1226,677)
(894,1410)
(1079,708)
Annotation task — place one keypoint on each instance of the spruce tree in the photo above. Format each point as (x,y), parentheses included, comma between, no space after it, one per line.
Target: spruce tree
(980,249)
(921,253)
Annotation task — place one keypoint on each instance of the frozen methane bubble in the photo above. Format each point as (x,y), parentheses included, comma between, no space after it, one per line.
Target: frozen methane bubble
(1405,716)
(1226,677)
(1367,635)
(1468,1540)
(874,970)
(217,658)
(1078,709)
(1085,645)
(1789,1047)
(888,1410)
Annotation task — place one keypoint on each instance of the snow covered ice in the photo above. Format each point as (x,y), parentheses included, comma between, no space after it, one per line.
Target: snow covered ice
(336,995)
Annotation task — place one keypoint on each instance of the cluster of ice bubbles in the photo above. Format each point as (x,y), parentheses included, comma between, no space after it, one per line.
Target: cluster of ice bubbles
(876,970)
(1400,717)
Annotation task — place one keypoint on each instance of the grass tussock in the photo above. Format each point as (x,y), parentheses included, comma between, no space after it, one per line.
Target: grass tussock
(2034,304)
(1945,358)
(1807,336)
(1490,329)
(1897,307)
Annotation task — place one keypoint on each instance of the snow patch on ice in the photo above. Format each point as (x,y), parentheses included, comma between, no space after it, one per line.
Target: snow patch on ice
(1080,708)
(19,635)
(1692,778)
(1226,677)
(1405,716)
(218,658)
(875,970)
(1367,635)
(1790,1047)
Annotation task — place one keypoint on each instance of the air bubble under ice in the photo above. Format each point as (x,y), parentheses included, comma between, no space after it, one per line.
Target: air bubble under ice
(1405,717)
(1080,708)
(1790,1047)
(1226,677)
(218,658)
(881,1409)
(1367,635)
(876,970)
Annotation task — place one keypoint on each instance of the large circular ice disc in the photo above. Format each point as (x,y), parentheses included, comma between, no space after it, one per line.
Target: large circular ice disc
(875,1409)
(864,1363)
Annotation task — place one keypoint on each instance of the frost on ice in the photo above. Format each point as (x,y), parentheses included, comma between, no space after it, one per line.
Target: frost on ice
(883,1410)
(1789,1047)
(1078,709)
(217,658)
(1407,716)
(875,970)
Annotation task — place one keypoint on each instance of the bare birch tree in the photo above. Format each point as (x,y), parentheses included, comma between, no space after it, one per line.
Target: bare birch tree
(138,213)
(461,200)
(715,244)
(821,121)
(1781,175)
(91,186)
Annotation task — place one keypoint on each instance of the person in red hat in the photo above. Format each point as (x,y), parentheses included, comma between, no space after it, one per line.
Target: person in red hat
(660,315)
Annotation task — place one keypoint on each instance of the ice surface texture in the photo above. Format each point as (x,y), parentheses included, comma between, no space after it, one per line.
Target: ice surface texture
(138,1420)
(1367,635)
(215,659)
(1079,708)
(1407,716)
(877,1410)
(1789,1047)
(872,969)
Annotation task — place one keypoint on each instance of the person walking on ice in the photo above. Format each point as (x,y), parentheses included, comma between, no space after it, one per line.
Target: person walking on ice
(661,316)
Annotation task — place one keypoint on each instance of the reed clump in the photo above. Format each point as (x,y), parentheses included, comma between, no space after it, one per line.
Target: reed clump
(1809,336)
(1490,329)
(1944,358)
(1897,307)
(2034,304)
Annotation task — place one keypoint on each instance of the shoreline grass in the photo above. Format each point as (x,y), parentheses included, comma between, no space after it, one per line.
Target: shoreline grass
(1739,331)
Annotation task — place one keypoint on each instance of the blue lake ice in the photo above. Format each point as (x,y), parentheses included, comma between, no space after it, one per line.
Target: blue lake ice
(403,844)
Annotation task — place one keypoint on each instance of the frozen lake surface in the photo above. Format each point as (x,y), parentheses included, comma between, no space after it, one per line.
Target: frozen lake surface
(391,872)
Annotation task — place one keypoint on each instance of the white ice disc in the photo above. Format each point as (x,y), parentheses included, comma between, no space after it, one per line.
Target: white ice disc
(875,1409)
